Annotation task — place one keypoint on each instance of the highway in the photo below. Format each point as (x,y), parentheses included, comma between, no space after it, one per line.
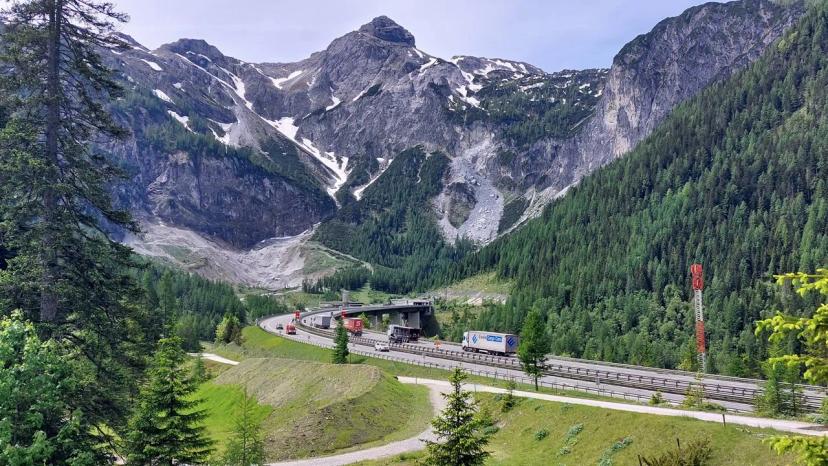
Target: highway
(614,380)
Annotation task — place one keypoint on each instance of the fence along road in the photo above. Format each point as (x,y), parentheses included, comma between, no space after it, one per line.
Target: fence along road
(620,381)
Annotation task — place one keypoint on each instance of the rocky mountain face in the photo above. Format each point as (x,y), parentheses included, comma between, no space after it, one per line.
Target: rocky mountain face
(238,153)
(653,74)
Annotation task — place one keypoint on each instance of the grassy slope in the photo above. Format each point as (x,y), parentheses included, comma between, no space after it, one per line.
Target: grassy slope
(486,282)
(222,404)
(515,442)
(316,410)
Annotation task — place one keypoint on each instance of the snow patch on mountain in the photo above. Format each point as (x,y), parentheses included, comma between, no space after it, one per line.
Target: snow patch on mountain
(184,120)
(279,82)
(384,164)
(153,65)
(337,166)
(162,95)
(427,65)
(335,103)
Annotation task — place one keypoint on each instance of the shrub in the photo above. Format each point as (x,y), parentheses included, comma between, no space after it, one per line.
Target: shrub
(696,453)
(541,434)
(657,398)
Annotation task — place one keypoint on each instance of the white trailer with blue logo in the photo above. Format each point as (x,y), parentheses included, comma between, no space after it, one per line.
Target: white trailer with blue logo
(489,342)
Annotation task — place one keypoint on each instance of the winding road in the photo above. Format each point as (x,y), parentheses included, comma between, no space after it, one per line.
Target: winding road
(631,383)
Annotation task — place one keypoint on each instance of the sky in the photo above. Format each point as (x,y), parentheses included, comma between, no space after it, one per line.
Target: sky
(551,34)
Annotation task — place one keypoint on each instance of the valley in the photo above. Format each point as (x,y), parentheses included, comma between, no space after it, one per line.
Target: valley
(359,243)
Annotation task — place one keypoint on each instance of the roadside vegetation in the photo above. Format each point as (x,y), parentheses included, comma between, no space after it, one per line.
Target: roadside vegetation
(543,432)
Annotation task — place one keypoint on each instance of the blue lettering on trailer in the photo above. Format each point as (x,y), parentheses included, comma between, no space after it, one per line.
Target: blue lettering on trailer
(496,338)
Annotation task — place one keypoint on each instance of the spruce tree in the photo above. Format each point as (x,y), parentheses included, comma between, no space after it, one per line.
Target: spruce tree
(167,426)
(246,445)
(229,330)
(533,346)
(340,351)
(65,274)
(460,431)
(38,423)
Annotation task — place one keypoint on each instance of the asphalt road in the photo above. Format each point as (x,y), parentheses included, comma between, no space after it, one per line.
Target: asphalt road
(619,391)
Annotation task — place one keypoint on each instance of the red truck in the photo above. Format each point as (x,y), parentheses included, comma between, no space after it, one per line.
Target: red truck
(353,325)
(290,329)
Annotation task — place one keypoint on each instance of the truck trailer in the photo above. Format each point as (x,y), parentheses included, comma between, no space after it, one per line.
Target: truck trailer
(503,344)
(290,329)
(321,321)
(400,334)
(353,325)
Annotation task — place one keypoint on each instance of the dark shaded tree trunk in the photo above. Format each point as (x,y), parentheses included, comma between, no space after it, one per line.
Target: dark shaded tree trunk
(48,293)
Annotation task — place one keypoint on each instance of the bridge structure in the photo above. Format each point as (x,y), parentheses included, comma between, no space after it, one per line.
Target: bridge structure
(406,312)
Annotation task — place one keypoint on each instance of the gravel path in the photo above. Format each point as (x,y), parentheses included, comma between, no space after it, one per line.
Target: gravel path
(216,358)
(797,427)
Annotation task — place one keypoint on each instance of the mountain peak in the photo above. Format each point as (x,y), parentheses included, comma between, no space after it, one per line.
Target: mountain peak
(196,46)
(383,27)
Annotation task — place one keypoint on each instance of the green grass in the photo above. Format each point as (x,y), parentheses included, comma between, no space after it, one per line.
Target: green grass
(319,259)
(369,296)
(516,440)
(484,282)
(310,409)
(222,404)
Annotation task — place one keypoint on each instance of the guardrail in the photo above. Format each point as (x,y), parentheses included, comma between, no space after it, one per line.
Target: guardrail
(489,374)
(718,392)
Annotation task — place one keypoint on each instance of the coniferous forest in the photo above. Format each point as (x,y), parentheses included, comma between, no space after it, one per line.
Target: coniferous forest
(736,179)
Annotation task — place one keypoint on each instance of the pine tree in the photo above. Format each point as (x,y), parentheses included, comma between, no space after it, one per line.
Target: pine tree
(340,350)
(461,434)
(229,330)
(166,298)
(199,371)
(246,445)
(38,423)
(771,401)
(65,274)
(166,426)
(533,346)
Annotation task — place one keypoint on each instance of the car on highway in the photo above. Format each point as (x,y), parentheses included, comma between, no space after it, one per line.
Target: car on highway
(279,326)
(380,346)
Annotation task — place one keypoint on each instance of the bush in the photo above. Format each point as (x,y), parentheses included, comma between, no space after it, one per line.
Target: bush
(657,398)
(508,400)
(541,434)
(571,439)
(696,453)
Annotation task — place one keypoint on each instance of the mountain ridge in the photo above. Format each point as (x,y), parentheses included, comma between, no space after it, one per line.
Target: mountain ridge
(316,133)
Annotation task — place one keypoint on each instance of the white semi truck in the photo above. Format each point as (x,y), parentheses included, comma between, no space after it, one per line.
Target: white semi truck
(504,344)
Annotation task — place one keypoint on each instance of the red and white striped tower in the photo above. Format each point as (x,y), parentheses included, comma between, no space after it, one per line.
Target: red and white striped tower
(698,307)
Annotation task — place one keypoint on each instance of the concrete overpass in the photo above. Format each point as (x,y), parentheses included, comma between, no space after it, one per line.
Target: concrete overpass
(418,313)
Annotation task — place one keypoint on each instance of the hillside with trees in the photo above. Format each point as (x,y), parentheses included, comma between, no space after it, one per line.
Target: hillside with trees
(736,179)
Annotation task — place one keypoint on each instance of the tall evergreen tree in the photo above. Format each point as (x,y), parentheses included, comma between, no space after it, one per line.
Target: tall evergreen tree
(460,431)
(65,274)
(340,350)
(38,424)
(246,445)
(167,426)
(533,347)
